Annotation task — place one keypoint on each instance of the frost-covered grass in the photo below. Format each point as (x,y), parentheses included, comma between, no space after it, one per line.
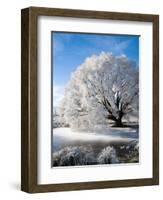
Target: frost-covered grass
(74,156)
(103,146)
(86,155)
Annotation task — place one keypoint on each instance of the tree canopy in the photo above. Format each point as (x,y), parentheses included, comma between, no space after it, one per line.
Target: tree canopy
(104,88)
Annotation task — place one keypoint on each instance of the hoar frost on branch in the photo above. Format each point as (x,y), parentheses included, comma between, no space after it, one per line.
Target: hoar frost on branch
(103,88)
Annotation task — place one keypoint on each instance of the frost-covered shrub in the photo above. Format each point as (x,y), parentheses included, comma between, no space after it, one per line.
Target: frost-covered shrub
(69,156)
(130,152)
(108,156)
(136,146)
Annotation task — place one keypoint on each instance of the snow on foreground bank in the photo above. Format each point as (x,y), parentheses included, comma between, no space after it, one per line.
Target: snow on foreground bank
(65,136)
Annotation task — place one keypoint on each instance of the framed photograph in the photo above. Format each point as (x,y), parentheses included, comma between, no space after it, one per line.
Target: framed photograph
(90,99)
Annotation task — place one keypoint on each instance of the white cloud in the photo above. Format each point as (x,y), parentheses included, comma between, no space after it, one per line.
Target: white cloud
(58,94)
(59,43)
(58,46)
(114,45)
(120,47)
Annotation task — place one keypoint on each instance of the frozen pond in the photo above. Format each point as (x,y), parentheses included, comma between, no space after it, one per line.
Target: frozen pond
(65,136)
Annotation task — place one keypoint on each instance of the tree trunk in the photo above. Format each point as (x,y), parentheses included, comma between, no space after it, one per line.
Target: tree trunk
(118,123)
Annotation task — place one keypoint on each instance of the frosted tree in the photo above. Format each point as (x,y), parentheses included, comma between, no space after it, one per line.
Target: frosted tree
(103,88)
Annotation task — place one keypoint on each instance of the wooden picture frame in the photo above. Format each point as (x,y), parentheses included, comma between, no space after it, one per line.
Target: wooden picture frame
(29,112)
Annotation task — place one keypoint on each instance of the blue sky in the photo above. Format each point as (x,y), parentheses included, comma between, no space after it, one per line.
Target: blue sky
(71,49)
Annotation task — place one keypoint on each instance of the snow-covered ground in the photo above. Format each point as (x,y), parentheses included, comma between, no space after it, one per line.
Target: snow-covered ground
(65,136)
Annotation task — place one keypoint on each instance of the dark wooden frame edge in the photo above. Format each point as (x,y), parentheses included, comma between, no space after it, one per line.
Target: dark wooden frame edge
(29,99)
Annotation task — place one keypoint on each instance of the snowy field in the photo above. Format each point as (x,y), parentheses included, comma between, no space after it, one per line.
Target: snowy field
(117,145)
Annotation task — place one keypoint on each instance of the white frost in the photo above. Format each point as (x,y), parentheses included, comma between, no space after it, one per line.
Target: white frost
(104,87)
